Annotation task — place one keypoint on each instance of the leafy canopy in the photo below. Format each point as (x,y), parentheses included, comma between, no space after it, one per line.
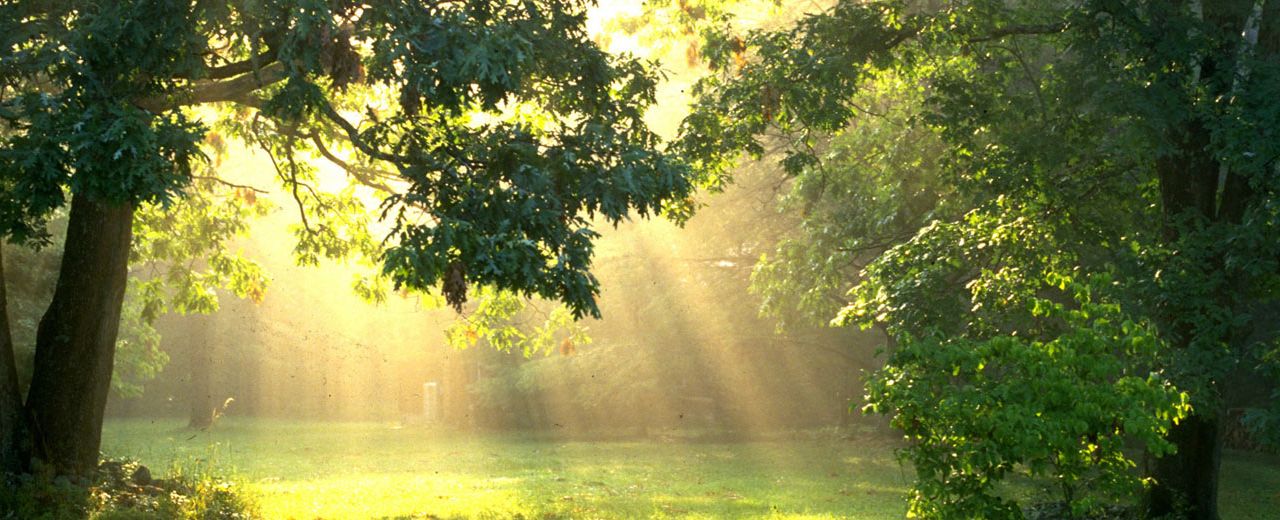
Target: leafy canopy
(990,184)
(496,130)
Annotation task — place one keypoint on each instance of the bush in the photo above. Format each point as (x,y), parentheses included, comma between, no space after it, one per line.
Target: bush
(1062,407)
(124,490)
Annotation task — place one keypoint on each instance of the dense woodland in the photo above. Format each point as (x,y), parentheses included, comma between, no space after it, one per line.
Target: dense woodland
(1033,243)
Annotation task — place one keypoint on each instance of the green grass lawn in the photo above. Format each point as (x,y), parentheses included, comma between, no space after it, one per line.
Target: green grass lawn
(368,470)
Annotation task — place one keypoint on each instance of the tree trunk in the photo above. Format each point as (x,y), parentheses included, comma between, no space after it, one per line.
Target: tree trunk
(15,443)
(1188,480)
(76,339)
(200,388)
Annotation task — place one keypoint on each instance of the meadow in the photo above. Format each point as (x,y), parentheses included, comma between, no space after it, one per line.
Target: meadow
(307,470)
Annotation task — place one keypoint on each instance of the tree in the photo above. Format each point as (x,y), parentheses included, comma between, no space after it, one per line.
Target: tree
(163,278)
(499,127)
(180,257)
(1003,184)
(13,422)
(182,251)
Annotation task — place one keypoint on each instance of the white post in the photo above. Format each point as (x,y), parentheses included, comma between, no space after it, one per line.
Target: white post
(431,401)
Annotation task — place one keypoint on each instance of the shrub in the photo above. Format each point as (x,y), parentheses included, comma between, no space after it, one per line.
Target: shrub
(124,490)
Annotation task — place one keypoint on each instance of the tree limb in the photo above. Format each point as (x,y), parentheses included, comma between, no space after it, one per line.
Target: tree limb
(353,134)
(1019,30)
(366,176)
(211,91)
(240,67)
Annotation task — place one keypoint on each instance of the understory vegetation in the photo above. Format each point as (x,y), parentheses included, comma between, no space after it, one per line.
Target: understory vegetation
(127,490)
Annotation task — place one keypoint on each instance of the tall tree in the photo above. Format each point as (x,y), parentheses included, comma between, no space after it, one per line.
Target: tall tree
(202,403)
(178,258)
(13,424)
(1001,184)
(506,129)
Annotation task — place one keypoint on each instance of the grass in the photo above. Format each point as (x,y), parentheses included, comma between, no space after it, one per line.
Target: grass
(363,470)
(367,470)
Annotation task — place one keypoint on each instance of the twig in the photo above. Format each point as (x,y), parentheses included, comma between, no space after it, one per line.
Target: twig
(227,183)
(364,175)
(302,212)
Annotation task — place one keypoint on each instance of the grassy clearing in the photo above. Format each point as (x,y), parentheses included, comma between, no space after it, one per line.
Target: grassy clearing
(309,470)
(365,470)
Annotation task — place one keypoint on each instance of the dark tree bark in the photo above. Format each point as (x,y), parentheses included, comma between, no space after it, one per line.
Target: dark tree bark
(200,363)
(76,339)
(15,442)
(1188,480)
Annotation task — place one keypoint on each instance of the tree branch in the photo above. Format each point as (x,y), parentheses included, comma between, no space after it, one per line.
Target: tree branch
(366,176)
(302,209)
(1019,30)
(228,183)
(353,134)
(241,67)
(209,91)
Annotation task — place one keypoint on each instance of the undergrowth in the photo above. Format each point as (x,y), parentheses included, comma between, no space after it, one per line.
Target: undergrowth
(126,490)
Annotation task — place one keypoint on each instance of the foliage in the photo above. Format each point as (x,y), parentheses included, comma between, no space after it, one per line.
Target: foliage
(1033,365)
(506,322)
(1263,422)
(138,355)
(181,252)
(74,125)
(666,31)
(1062,405)
(482,196)
(180,258)
(674,28)
(965,167)
(115,493)
(878,183)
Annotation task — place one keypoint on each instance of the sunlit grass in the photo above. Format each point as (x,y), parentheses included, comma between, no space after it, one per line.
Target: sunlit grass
(308,470)
(365,470)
